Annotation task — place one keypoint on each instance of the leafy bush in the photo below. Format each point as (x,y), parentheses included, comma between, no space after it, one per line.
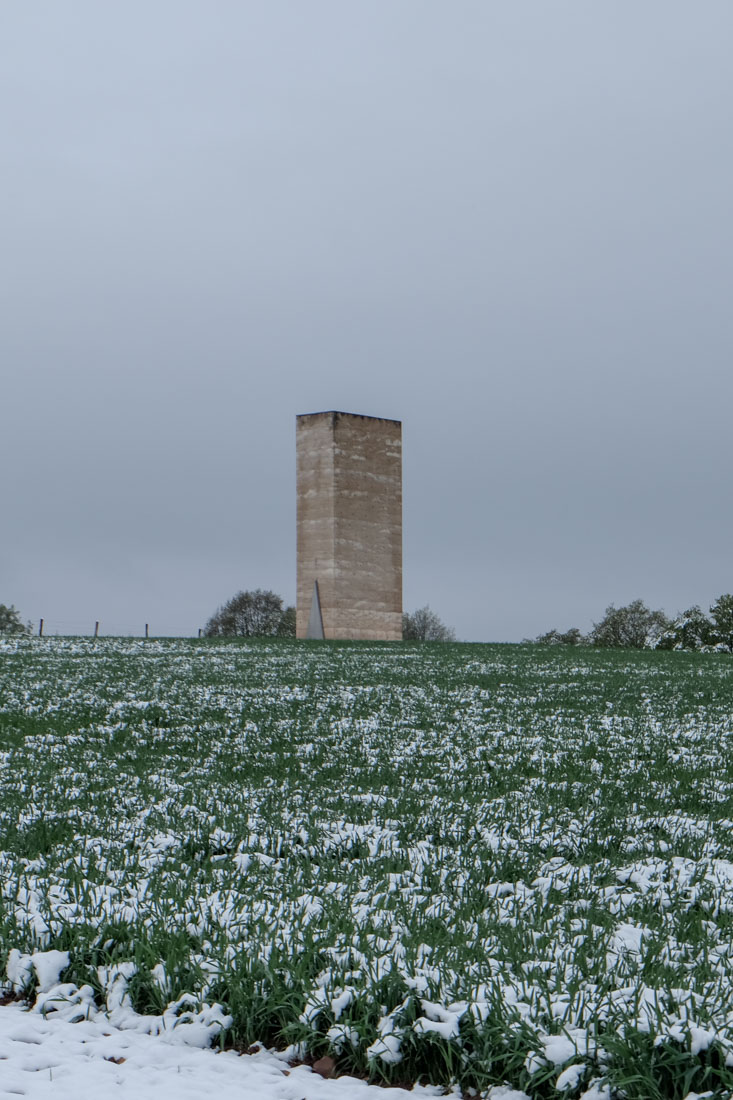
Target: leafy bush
(693,630)
(632,627)
(557,637)
(252,614)
(722,615)
(690,630)
(10,621)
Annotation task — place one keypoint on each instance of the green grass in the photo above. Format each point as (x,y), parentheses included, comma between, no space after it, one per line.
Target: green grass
(355,848)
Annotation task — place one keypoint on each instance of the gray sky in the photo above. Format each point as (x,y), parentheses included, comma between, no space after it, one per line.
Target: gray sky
(507,224)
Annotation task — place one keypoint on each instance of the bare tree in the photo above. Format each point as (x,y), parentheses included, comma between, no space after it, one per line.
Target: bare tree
(251,614)
(424,625)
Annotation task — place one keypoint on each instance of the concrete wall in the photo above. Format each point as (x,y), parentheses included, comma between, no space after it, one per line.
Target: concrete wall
(349,490)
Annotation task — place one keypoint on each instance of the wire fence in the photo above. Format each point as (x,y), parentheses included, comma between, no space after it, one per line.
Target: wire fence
(99,628)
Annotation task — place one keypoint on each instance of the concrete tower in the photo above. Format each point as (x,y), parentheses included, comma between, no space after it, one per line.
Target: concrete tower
(349,526)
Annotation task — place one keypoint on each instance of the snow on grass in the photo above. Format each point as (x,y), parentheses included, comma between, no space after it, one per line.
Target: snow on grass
(499,865)
(53,1057)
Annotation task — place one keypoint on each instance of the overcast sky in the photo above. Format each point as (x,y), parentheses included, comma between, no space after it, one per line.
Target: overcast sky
(507,224)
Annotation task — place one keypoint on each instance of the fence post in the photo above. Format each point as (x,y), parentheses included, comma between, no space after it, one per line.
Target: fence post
(96,629)
(40,629)
(146,630)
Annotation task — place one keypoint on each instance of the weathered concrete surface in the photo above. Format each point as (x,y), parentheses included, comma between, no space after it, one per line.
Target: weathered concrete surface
(349,490)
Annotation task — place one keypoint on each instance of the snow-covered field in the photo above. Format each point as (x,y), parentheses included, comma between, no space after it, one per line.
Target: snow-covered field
(89,1059)
(493,865)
